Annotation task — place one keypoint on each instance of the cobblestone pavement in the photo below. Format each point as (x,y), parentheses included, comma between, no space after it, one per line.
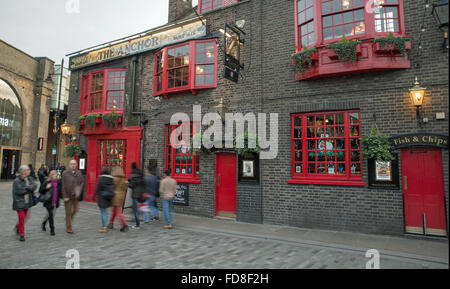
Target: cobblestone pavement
(179,248)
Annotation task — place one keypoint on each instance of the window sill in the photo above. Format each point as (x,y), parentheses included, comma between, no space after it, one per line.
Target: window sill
(357,183)
(186,180)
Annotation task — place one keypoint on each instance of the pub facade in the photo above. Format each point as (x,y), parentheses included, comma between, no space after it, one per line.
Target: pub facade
(324,74)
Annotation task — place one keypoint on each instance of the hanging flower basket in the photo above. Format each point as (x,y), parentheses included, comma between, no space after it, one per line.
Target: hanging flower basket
(246,137)
(376,146)
(71,150)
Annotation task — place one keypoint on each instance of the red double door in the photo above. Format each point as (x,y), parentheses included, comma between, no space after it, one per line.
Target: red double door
(226,185)
(423,191)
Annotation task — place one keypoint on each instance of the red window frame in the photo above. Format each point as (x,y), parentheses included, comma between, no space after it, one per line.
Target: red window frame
(87,93)
(164,64)
(369,21)
(172,155)
(305,22)
(210,5)
(340,150)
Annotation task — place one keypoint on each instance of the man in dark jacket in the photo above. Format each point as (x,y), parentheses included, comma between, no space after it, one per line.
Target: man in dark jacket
(152,189)
(42,174)
(136,184)
(22,192)
(104,193)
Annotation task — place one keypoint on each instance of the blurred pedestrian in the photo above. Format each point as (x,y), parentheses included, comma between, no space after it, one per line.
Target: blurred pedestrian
(42,174)
(103,195)
(32,172)
(72,186)
(50,191)
(152,189)
(120,188)
(23,189)
(136,184)
(167,190)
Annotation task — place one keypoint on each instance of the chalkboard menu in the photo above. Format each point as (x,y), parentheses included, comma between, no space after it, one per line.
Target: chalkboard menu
(182,195)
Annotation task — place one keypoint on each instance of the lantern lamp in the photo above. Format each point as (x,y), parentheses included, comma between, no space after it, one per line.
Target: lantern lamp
(417,94)
(440,13)
(65,128)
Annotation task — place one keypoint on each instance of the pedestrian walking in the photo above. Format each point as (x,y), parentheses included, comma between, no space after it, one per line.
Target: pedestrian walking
(120,187)
(23,189)
(152,189)
(50,194)
(103,195)
(167,190)
(42,174)
(32,172)
(136,184)
(72,186)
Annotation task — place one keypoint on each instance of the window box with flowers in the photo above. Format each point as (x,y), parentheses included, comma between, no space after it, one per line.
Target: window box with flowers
(392,44)
(304,59)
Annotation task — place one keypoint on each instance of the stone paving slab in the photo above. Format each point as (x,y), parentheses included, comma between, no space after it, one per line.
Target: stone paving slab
(194,243)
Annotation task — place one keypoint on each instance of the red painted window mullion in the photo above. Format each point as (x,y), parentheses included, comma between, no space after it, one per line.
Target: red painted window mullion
(305,160)
(348,150)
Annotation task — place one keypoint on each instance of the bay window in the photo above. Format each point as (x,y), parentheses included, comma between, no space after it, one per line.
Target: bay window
(326,148)
(182,162)
(184,67)
(102,91)
(209,5)
(320,22)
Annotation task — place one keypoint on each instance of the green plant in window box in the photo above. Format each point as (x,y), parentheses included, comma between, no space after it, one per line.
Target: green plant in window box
(71,150)
(90,121)
(387,42)
(247,137)
(376,146)
(111,120)
(345,49)
(303,59)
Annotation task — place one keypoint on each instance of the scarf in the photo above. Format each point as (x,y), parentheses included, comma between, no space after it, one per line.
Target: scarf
(55,192)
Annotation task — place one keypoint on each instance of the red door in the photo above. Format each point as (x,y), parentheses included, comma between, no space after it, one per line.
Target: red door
(226,185)
(423,191)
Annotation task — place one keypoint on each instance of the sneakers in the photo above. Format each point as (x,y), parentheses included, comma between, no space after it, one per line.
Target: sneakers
(110,226)
(155,218)
(52,233)
(168,227)
(124,229)
(103,230)
(22,239)
(135,227)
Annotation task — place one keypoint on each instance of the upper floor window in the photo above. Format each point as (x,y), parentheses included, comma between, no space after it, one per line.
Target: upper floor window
(103,91)
(208,5)
(187,66)
(319,22)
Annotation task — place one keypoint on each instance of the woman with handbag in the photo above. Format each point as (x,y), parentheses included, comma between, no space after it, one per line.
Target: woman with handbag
(22,191)
(104,193)
(50,194)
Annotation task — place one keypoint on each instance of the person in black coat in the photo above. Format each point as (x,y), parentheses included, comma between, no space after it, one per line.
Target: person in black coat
(42,174)
(50,191)
(137,185)
(103,195)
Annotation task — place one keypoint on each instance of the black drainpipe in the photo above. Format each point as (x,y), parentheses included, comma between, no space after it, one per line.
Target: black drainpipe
(142,121)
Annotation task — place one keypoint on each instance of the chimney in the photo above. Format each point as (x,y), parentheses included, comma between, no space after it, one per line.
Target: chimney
(177,8)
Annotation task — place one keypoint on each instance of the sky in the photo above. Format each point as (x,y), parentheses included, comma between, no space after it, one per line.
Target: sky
(54,28)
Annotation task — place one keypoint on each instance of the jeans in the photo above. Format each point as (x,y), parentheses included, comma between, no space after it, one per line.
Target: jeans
(104,217)
(136,212)
(167,204)
(151,203)
(50,218)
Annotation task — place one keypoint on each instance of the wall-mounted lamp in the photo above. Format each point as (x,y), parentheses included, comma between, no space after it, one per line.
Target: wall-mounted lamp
(440,13)
(417,94)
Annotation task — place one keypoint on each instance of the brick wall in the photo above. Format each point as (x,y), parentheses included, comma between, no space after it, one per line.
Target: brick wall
(268,86)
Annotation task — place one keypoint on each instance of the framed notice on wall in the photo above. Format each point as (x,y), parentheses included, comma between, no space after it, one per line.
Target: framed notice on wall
(248,168)
(384,174)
